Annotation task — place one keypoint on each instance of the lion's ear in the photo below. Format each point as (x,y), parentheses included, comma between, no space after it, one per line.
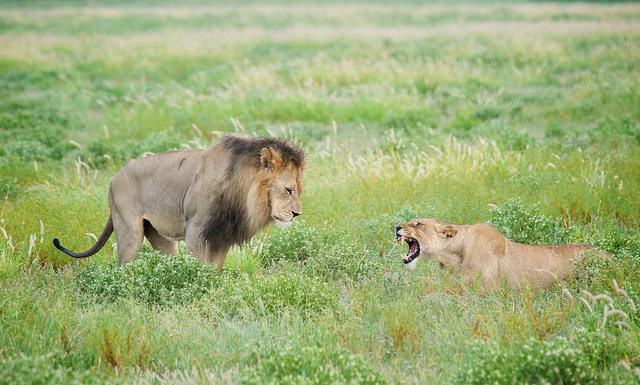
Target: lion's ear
(446,231)
(270,159)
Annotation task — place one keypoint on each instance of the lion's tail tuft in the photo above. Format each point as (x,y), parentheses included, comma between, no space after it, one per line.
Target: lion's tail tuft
(106,233)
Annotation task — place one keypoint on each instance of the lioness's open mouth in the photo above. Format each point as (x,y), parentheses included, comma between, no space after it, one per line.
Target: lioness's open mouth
(414,248)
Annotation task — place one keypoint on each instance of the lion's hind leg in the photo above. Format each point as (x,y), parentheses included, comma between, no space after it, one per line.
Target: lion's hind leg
(127,226)
(129,236)
(158,242)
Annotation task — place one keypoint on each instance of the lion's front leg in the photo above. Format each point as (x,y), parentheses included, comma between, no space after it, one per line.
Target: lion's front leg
(204,250)
(216,256)
(213,254)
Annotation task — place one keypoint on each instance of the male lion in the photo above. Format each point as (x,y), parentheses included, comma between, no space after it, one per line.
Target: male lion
(211,198)
(479,249)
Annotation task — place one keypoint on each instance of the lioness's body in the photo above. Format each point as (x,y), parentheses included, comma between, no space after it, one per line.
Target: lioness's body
(480,250)
(211,198)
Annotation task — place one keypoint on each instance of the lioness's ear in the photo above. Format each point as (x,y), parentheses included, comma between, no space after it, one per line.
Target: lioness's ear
(446,231)
(269,159)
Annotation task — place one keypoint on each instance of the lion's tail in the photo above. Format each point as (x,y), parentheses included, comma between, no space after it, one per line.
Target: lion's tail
(106,233)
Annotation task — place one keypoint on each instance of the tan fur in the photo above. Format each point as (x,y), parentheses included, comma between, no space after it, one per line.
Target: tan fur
(211,198)
(479,250)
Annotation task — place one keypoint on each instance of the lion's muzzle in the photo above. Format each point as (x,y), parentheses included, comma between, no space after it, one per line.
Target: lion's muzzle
(414,247)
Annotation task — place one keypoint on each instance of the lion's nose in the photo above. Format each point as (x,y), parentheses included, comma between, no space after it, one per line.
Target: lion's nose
(295,214)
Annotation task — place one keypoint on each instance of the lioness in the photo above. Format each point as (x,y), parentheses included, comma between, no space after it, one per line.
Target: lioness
(211,198)
(479,249)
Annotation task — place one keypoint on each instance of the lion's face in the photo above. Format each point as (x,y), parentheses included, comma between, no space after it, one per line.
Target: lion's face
(284,186)
(284,197)
(426,238)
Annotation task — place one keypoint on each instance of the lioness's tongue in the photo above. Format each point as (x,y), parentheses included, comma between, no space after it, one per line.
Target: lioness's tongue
(413,247)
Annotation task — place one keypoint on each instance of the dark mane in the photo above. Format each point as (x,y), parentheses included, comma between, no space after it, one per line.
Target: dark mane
(229,223)
(246,151)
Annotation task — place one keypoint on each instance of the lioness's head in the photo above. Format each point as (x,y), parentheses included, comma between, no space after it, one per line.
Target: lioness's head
(284,182)
(426,238)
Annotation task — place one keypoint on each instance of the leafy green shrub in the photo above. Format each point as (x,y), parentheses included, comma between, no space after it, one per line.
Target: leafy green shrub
(328,253)
(603,348)
(286,289)
(153,278)
(529,226)
(344,260)
(95,152)
(303,364)
(32,127)
(557,361)
(28,150)
(620,242)
(487,113)
(296,243)
(48,368)
(623,265)
(616,126)
(162,280)
(464,120)
(588,268)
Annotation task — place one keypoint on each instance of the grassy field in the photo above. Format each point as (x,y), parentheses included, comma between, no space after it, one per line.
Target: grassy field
(526,115)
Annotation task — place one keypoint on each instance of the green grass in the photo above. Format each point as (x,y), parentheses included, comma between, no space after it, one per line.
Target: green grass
(524,115)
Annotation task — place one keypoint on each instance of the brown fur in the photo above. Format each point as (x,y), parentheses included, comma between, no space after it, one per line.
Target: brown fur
(480,250)
(211,198)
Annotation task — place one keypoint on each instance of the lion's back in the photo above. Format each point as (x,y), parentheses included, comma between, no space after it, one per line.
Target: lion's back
(157,180)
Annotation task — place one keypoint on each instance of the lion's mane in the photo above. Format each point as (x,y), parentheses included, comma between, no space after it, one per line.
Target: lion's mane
(232,222)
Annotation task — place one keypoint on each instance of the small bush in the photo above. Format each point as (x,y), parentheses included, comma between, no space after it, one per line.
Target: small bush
(344,260)
(596,273)
(153,278)
(328,253)
(286,289)
(294,244)
(620,242)
(557,361)
(161,280)
(588,269)
(48,368)
(529,226)
(296,364)
(603,347)
(28,150)
(612,126)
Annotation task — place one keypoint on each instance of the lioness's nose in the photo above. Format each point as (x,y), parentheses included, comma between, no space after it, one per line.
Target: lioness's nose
(295,214)
(398,228)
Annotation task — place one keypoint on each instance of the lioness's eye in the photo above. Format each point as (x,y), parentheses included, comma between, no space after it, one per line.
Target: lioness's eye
(418,224)
(289,191)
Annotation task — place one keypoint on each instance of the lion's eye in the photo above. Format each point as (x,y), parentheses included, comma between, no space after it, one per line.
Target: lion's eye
(289,191)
